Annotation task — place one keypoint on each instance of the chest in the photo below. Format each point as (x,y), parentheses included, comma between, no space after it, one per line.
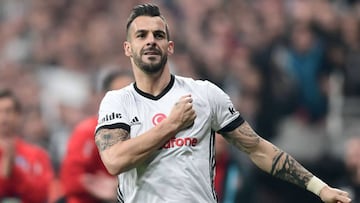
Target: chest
(146,114)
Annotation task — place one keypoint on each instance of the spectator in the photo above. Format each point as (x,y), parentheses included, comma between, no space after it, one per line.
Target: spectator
(232,181)
(352,164)
(84,178)
(350,31)
(25,169)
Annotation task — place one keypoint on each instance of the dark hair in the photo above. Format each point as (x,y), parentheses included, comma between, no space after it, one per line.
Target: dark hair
(146,9)
(110,77)
(7,93)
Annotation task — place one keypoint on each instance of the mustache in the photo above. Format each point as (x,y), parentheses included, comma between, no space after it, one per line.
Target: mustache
(152,50)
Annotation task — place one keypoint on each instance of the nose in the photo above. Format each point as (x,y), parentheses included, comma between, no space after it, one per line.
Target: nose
(151,40)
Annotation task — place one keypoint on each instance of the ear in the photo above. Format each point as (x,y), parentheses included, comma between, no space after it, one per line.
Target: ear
(127,48)
(170,48)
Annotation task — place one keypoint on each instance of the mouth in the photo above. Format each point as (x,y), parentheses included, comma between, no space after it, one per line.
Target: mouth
(151,52)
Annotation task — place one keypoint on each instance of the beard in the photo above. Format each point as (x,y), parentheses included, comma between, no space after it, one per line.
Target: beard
(152,66)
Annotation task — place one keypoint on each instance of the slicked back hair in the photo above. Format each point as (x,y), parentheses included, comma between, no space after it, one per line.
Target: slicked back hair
(146,9)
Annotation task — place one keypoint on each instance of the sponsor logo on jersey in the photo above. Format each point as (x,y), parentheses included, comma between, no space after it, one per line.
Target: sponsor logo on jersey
(232,110)
(111,116)
(181,142)
(135,121)
(175,141)
(157,118)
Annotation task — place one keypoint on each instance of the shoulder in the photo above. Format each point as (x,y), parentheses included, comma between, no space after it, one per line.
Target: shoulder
(120,93)
(85,127)
(202,87)
(193,82)
(113,98)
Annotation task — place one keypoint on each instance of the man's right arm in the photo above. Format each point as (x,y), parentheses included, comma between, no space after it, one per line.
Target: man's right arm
(119,153)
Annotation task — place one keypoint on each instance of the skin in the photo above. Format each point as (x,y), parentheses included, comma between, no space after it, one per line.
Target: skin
(278,163)
(8,123)
(267,156)
(120,153)
(99,184)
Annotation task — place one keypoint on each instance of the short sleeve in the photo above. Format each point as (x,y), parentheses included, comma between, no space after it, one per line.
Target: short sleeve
(112,111)
(225,117)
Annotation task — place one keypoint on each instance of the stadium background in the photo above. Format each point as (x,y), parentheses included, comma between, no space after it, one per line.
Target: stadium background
(292,68)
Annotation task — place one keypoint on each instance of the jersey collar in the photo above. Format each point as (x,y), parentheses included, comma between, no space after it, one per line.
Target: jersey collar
(166,90)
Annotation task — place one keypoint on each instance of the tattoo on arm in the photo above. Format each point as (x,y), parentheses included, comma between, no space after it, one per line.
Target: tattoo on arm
(287,168)
(106,138)
(244,138)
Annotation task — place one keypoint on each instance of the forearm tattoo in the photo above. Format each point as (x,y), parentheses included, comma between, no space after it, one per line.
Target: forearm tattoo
(287,168)
(244,138)
(106,138)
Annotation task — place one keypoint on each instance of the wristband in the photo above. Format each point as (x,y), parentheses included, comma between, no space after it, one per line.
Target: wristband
(315,185)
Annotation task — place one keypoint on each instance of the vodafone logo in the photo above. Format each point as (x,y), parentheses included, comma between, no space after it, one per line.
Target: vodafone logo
(180,142)
(158,118)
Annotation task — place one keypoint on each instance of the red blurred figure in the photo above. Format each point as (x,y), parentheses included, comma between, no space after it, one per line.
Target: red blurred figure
(83,176)
(26,172)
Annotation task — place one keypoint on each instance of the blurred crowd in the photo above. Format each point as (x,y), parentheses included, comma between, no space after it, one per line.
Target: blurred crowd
(290,66)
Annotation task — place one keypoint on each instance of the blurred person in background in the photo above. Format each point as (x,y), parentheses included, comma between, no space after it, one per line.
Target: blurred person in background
(306,65)
(63,98)
(351,181)
(350,31)
(303,62)
(84,178)
(26,172)
(232,180)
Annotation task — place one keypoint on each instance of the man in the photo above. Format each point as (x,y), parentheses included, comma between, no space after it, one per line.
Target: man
(158,135)
(84,178)
(26,172)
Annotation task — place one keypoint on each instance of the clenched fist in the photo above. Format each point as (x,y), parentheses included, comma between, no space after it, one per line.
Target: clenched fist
(183,114)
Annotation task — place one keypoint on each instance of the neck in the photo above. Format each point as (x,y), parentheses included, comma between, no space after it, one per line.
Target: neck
(152,84)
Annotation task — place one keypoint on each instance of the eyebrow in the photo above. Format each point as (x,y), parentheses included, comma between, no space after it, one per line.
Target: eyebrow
(156,31)
(140,31)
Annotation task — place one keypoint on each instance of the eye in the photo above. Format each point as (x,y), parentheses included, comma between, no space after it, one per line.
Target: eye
(159,35)
(141,35)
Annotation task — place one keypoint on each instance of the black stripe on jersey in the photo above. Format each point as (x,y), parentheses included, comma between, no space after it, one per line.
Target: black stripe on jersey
(231,126)
(119,196)
(166,90)
(212,164)
(115,126)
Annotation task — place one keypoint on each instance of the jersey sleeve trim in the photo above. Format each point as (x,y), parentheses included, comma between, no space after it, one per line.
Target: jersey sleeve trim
(231,126)
(114,126)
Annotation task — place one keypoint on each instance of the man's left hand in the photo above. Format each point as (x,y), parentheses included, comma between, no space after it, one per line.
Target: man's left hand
(333,195)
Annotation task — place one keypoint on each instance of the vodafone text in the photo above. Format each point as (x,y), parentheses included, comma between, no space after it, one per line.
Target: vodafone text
(180,142)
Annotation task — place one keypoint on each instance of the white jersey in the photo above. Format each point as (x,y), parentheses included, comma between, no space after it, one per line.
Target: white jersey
(183,169)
